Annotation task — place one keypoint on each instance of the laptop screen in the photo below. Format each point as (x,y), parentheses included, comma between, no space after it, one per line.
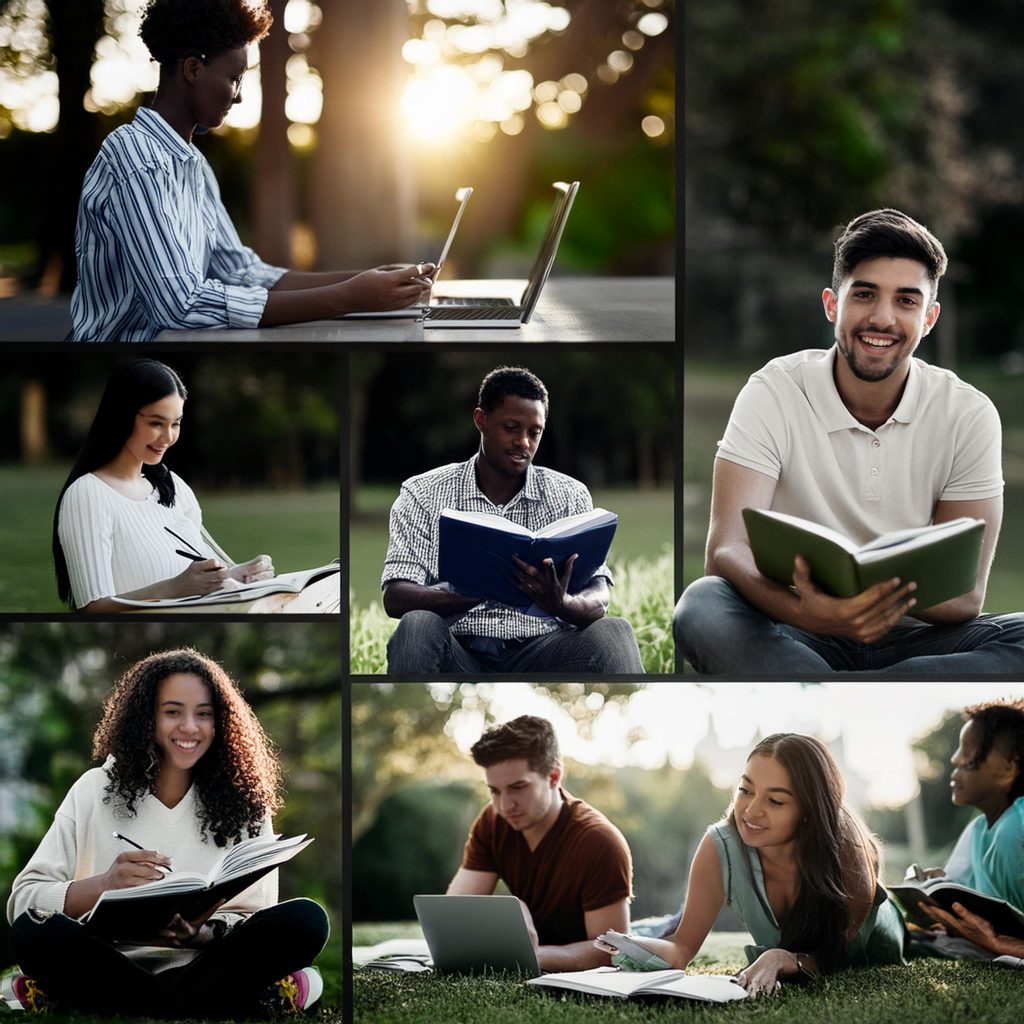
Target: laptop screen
(462,195)
(549,247)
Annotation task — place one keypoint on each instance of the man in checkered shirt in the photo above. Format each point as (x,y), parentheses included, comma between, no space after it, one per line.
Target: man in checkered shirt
(444,631)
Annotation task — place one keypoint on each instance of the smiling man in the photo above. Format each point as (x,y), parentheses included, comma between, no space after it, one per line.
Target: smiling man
(444,631)
(568,865)
(156,248)
(866,439)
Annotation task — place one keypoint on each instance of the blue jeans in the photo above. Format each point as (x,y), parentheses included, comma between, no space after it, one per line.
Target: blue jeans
(721,633)
(422,643)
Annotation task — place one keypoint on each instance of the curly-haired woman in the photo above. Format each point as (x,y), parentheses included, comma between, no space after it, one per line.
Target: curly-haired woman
(798,867)
(156,247)
(186,771)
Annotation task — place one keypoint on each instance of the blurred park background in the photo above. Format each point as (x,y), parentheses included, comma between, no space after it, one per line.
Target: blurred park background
(801,116)
(610,425)
(259,445)
(55,676)
(358,123)
(659,759)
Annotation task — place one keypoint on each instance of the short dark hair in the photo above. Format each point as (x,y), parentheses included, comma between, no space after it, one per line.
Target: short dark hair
(517,381)
(1002,724)
(891,234)
(175,29)
(527,737)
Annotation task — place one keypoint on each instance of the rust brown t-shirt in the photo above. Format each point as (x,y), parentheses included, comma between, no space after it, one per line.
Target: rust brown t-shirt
(582,864)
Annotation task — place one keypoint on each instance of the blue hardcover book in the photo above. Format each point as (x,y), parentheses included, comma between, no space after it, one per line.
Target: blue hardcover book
(476,550)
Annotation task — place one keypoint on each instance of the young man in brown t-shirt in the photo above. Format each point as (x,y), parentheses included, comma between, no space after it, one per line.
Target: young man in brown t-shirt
(569,866)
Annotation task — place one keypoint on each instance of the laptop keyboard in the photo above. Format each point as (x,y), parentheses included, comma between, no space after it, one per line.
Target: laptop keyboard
(476,312)
(450,300)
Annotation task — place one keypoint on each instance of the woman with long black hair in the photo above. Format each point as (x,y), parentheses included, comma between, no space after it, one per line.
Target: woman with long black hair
(184,772)
(798,867)
(123,519)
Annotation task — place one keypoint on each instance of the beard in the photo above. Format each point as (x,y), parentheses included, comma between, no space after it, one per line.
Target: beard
(846,343)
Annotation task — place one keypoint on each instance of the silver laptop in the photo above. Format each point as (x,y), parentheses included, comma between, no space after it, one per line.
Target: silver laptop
(415,310)
(474,934)
(508,311)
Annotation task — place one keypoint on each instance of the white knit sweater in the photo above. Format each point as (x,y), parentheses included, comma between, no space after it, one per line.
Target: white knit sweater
(115,545)
(80,843)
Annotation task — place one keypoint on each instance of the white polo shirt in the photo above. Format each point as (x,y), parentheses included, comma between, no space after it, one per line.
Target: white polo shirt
(943,443)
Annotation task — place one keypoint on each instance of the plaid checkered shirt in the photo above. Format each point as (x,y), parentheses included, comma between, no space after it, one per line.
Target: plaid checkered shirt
(413,541)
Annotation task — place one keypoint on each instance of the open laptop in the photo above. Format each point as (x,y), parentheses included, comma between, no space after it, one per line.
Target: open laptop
(473,934)
(508,311)
(415,310)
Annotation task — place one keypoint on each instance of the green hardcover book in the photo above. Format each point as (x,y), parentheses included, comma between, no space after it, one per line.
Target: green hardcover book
(941,559)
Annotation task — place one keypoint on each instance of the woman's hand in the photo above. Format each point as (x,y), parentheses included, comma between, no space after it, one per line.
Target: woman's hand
(258,568)
(182,934)
(761,978)
(201,578)
(135,867)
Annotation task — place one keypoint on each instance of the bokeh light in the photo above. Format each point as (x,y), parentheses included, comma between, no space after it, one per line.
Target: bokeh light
(652,126)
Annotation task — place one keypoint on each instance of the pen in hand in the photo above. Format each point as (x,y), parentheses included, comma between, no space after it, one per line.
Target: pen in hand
(187,544)
(188,554)
(131,842)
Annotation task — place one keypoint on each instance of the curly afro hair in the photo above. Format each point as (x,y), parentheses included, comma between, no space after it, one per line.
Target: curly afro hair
(237,781)
(1002,724)
(174,29)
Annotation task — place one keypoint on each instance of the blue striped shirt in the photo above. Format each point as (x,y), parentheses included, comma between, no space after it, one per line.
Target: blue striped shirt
(156,249)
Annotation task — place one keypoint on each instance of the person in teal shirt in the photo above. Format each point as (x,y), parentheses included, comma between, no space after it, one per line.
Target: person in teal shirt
(988,773)
(798,867)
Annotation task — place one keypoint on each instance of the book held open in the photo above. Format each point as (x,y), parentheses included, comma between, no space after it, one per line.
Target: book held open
(141,911)
(1005,918)
(942,558)
(610,981)
(476,550)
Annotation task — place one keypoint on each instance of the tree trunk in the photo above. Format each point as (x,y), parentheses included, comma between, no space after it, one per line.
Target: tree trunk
(274,183)
(363,209)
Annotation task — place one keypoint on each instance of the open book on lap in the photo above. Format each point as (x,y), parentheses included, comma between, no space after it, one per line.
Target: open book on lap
(141,911)
(284,583)
(942,558)
(610,981)
(1005,918)
(476,550)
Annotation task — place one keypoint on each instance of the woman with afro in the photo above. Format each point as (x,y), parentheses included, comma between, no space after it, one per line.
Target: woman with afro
(988,775)
(156,248)
(186,770)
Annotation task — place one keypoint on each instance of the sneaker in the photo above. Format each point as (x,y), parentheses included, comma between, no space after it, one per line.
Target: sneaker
(23,993)
(294,994)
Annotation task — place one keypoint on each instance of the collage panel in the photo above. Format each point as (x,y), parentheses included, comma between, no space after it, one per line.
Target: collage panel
(147,768)
(502,502)
(179,481)
(720,841)
(852,351)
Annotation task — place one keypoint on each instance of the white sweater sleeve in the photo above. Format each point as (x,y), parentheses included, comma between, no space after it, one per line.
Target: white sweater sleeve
(85,528)
(44,881)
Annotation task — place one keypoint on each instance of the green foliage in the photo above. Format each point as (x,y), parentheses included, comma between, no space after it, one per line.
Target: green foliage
(642,594)
(925,992)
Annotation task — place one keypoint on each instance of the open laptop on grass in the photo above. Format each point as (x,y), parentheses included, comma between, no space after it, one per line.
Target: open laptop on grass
(507,310)
(416,309)
(473,934)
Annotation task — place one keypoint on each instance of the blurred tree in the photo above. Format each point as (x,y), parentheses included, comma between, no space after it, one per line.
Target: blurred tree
(943,821)
(55,676)
(400,733)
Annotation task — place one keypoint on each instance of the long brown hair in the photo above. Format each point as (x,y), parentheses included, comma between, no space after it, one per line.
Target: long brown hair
(237,781)
(833,848)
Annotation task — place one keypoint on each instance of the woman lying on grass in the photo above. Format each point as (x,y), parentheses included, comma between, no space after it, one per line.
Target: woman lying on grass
(798,867)
(186,771)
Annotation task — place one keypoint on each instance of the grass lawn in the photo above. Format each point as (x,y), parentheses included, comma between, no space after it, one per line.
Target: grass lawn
(299,529)
(709,391)
(641,563)
(924,992)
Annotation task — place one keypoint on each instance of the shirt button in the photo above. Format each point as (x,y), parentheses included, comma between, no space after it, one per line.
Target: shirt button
(876,443)
(874,471)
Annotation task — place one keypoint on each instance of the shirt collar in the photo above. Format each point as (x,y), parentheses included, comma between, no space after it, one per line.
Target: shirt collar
(154,125)
(530,491)
(824,397)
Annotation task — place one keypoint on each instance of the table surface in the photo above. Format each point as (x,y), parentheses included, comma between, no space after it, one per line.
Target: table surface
(570,309)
